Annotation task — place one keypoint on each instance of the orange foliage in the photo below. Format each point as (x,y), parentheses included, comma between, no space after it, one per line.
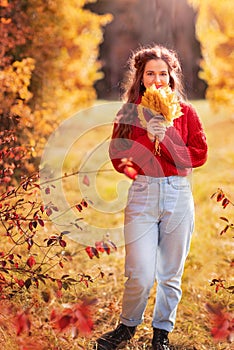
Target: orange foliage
(65,46)
(48,62)
(214,28)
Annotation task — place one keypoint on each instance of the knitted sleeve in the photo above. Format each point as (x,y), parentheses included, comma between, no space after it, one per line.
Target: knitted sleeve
(189,151)
(139,148)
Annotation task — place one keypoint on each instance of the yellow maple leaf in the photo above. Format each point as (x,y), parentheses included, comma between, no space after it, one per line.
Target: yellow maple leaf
(162,101)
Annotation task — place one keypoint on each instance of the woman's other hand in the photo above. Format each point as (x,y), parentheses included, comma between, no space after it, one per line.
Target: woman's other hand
(156,129)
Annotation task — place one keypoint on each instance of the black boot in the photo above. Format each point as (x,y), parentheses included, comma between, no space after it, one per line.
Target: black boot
(160,340)
(111,340)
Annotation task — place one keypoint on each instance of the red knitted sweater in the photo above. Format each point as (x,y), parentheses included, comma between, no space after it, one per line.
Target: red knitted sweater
(184,147)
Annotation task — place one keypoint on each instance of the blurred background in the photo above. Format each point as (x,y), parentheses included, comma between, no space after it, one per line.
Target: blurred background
(59,58)
(136,22)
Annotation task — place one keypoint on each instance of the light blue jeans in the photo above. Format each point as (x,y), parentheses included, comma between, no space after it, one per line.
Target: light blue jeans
(159,220)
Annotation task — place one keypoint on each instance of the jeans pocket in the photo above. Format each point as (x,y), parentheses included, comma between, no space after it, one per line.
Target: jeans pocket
(139,186)
(179,183)
(138,193)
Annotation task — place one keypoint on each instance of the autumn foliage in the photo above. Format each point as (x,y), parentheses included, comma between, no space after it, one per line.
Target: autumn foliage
(26,326)
(214,29)
(221,319)
(48,62)
(222,323)
(48,65)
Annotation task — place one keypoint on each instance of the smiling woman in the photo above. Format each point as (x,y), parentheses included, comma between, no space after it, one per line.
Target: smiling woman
(156,72)
(159,216)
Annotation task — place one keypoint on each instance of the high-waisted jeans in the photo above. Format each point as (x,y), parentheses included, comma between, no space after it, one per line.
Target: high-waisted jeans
(159,220)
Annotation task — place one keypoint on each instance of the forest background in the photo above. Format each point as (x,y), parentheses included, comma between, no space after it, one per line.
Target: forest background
(58,58)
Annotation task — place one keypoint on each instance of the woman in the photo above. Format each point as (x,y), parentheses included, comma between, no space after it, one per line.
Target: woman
(159,216)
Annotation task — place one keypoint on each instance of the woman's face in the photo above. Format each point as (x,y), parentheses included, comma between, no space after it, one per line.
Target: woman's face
(156,72)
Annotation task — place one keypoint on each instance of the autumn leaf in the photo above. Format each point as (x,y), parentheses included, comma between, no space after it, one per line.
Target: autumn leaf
(220,196)
(224,230)
(76,316)
(91,251)
(225,202)
(47,190)
(54,208)
(22,323)
(86,180)
(20,283)
(59,294)
(3,263)
(221,322)
(64,322)
(99,246)
(31,261)
(62,243)
(30,226)
(28,283)
(84,320)
(163,101)
(84,203)
(49,211)
(41,222)
(224,219)
(79,207)
(113,246)
(52,240)
(45,296)
(65,233)
(106,248)
(34,224)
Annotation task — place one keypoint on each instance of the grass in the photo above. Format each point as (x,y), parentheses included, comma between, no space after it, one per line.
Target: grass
(208,257)
(210,253)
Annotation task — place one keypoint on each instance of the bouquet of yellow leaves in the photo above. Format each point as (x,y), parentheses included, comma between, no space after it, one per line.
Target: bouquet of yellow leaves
(161,101)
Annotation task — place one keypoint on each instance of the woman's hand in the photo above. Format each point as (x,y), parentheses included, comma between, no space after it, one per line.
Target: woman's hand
(156,129)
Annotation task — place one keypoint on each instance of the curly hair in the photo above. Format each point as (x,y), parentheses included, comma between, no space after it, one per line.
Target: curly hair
(132,86)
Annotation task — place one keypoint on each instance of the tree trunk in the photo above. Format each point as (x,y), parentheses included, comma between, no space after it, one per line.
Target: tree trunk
(167,22)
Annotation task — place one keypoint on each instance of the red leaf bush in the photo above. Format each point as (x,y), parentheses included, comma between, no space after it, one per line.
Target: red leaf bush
(222,321)
(76,318)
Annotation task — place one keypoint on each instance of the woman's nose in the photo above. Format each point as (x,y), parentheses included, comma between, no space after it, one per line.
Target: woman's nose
(157,78)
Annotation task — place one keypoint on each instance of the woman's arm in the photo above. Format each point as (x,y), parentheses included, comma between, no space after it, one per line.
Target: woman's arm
(189,153)
(139,148)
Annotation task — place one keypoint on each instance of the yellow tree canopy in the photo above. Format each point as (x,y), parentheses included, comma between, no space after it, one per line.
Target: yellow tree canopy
(48,67)
(65,45)
(215,31)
